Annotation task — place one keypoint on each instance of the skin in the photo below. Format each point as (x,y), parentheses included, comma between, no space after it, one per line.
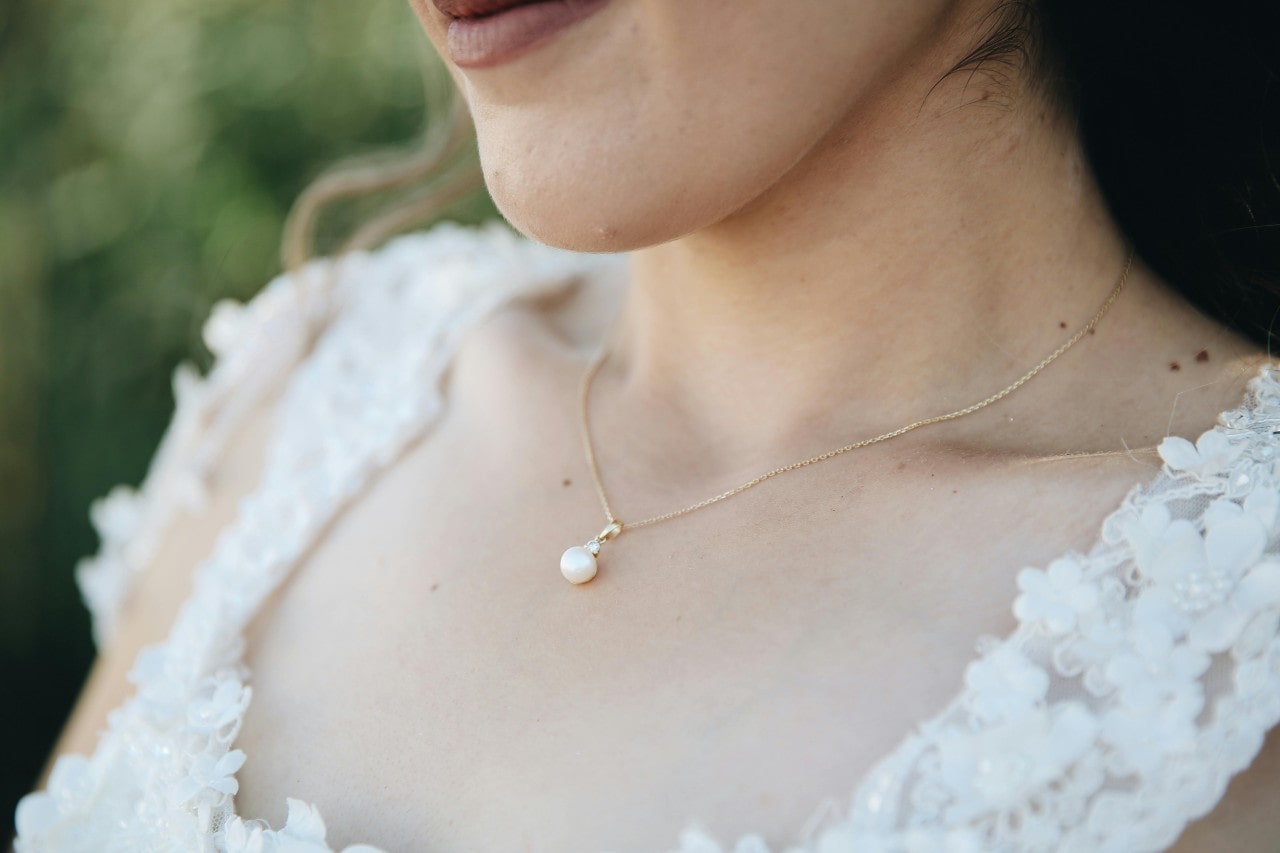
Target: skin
(824,248)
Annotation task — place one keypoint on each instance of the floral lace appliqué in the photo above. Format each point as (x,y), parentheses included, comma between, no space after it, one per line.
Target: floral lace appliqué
(1141,677)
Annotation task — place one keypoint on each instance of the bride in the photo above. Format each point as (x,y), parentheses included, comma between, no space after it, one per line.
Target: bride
(831,470)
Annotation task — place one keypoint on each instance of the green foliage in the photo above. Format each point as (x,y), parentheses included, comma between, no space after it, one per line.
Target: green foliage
(149,151)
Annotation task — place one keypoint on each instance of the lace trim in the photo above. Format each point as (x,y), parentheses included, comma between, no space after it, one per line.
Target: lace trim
(165,769)
(1141,677)
(253,345)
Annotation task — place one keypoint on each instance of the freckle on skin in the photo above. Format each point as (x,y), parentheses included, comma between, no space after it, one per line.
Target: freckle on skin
(434,587)
(1062,324)
(567,482)
(1173,365)
(1202,356)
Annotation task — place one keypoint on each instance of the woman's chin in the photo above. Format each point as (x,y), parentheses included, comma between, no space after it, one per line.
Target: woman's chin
(617,197)
(589,225)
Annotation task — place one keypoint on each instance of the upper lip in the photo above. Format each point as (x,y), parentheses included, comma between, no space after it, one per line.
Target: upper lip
(475,8)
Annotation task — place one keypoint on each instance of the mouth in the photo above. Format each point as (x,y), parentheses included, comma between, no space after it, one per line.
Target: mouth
(478,8)
(486,33)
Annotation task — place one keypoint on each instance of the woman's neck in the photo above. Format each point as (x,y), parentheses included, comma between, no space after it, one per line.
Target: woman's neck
(915,261)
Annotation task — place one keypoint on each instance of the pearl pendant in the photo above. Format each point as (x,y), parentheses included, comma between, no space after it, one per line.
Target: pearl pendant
(578,564)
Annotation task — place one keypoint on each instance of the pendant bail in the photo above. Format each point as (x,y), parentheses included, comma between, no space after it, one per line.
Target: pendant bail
(609,532)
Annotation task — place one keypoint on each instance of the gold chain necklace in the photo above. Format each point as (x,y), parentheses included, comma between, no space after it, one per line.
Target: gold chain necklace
(579,563)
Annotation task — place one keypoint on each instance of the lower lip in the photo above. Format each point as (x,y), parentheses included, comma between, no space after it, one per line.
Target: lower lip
(495,39)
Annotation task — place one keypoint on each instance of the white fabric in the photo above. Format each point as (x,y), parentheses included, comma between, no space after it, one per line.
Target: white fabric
(1142,676)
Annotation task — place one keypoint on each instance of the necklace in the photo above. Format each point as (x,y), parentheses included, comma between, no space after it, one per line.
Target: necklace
(579,563)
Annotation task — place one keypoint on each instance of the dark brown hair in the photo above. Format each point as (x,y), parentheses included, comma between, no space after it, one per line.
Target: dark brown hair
(1178,107)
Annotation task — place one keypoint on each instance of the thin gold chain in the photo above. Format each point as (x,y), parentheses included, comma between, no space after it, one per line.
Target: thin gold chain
(958,413)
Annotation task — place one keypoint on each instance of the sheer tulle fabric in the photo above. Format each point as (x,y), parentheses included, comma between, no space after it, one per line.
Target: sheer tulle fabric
(1141,677)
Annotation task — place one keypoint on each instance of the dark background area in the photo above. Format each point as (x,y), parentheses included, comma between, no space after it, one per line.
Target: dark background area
(149,152)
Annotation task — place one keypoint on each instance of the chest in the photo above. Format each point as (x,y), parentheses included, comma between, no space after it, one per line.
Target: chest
(429,679)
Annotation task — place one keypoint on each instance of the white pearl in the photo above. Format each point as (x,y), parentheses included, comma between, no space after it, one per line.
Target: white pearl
(578,565)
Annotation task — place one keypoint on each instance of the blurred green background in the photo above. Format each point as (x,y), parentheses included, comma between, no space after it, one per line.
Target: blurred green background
(149,151)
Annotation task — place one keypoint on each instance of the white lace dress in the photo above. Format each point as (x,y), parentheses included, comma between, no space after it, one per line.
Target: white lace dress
(1141,677)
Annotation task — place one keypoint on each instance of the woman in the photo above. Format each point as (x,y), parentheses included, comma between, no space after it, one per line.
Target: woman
(844,220)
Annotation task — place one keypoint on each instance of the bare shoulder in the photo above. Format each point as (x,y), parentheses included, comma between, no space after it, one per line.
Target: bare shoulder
(164,584)
(1179,367)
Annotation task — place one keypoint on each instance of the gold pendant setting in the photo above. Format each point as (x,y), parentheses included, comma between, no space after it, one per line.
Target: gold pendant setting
(578,564)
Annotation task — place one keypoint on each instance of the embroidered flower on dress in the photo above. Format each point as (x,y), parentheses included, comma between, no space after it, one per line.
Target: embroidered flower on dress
(1142,740)
(695,839)
(1056,597)
(161,694)
(240,836)
(1258,680)
(1001,768)
(958,840)
(1222,627)
(1257,636)
(70,784)
(1004,684)
(115,515)
(225,326)
(1157,540)
(1100,631)
(304,832)
(36,814)
(1212,454)
(1158,674)
(207,774)
(219,710)
(846,839)
(1216,580)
